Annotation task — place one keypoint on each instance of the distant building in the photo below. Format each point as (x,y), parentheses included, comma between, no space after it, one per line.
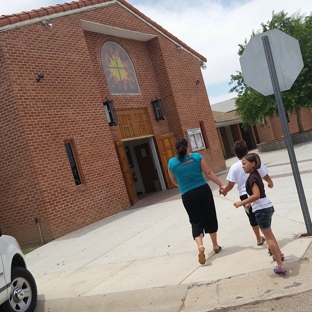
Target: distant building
(93,97)
(230,129)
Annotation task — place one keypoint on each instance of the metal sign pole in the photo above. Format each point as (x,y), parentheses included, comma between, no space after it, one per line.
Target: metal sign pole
(288,141)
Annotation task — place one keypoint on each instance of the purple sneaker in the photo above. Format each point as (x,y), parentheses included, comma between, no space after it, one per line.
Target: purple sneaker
(280,271)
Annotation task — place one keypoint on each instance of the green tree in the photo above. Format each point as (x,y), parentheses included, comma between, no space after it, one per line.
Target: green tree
(253,106)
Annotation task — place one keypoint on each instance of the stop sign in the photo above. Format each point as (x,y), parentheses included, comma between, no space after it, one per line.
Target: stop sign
(287,60)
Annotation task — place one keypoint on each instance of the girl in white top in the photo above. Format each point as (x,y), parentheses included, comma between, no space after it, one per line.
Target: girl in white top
(261,207)
(237,175)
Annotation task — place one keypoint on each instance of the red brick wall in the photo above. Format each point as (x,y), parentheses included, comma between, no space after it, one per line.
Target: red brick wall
(265,131)
(273,129)
(188,100)
(36,118)
(20,199)
(306,119)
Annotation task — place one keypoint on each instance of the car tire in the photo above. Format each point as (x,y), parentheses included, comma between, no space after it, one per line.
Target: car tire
(23,292)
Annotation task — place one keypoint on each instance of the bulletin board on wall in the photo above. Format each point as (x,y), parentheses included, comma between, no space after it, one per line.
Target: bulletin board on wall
(196,139)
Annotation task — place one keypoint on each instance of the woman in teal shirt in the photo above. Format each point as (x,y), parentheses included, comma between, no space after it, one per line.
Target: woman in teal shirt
(186,171)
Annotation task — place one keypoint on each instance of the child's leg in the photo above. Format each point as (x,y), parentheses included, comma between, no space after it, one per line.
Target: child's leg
(273,245)
(264,217)
(253,222)
(255,227)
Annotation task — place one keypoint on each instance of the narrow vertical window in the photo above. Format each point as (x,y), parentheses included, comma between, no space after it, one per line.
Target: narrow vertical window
(203,130)
(72,157)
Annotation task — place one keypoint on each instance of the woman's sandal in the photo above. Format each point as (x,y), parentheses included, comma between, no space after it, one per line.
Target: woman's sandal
(201,255)
(282,257)
(262,241)
(217,250)
(280,271)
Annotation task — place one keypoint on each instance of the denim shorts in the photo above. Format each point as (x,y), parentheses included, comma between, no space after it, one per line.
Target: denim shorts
(264,217)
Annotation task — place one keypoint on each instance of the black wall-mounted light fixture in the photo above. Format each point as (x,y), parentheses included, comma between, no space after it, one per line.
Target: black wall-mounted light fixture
(39,77)
(158,109)
(110,112)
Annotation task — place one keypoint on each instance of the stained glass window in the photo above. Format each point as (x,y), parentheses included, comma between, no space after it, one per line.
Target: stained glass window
(119,71)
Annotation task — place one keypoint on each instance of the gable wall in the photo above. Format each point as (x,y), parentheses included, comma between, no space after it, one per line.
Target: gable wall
(67,104)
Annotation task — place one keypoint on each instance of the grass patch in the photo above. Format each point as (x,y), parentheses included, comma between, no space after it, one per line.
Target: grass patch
(28,249)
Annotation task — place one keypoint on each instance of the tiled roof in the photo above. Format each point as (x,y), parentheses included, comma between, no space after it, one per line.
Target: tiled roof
(221,117)
(15,18)
(224,113)
(6,20)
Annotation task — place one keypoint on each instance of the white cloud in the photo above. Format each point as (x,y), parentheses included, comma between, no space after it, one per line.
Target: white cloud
(208,27)
(220,98)
(215,31)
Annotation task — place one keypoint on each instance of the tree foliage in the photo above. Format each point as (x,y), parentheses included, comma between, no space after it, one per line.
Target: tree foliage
(253,106)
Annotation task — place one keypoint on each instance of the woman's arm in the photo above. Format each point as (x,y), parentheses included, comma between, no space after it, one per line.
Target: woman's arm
(227,188)
(255,195)
(209,174)
(172,178)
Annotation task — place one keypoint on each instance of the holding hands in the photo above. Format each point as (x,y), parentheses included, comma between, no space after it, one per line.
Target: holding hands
(222,190)
(237,204)
(240,203)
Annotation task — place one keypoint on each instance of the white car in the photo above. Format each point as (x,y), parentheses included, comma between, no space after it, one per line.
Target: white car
(18,289)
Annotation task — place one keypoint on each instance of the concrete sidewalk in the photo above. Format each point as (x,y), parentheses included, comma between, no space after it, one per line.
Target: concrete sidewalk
(144,259)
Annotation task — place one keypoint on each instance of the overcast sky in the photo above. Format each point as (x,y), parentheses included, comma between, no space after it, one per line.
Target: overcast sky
(213,28)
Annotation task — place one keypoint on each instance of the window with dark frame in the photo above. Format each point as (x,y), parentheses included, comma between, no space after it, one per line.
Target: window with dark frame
(71,154)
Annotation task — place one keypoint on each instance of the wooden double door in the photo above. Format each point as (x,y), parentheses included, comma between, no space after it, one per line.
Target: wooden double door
(165,146)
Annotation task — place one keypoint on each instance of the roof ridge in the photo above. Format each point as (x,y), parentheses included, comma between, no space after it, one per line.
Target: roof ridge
(8,20)
(44,11)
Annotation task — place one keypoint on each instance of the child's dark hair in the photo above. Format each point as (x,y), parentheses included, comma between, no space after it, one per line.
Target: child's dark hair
(240,149)
(181,146)
(253,157)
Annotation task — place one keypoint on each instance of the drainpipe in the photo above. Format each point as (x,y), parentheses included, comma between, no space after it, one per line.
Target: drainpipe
(37,220)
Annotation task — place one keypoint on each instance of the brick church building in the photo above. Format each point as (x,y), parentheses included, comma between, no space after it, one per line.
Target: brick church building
(93,97)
